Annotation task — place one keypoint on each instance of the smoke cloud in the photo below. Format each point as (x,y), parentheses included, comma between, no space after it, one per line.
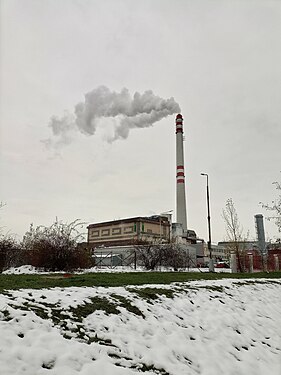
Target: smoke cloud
(127,112)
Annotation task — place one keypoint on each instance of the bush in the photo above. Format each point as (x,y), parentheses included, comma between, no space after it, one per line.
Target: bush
(55,248)
(11,254)
(154,253)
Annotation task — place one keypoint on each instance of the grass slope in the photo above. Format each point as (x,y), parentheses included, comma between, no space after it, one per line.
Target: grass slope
(197,328)
(9,282)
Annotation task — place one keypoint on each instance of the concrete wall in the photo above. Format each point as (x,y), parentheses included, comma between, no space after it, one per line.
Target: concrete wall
(127,231)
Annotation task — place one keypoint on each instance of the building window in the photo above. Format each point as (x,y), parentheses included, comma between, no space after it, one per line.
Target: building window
(116,231)
(95,233)
(149,231)
(105,232)
(129,229)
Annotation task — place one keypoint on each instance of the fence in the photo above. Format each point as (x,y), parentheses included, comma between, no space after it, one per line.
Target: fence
(255,262)
(251,262)
(131,259)
(269,263)
(112,260)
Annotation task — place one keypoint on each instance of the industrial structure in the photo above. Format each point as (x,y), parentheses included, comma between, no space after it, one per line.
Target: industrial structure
(115,242)
(129,231)
(180,229)
(260,234)
(180,176)
(113,235)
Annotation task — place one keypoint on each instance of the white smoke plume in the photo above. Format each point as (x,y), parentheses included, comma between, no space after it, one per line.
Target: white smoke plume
(139,111)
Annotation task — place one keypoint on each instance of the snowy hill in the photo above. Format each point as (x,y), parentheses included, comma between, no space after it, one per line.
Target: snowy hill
(200,327)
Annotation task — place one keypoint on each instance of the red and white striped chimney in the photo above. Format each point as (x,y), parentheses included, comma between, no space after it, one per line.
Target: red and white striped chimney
(181,201)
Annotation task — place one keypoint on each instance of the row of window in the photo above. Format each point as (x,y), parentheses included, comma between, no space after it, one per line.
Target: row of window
(96,233)
(111,231)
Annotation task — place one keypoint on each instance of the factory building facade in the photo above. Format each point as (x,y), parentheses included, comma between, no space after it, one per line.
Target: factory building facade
(115,242)
(129,231)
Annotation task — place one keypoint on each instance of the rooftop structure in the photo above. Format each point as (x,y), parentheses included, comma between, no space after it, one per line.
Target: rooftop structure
(129,231)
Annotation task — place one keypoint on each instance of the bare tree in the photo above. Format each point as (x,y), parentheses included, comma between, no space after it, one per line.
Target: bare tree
(149,253)
(10,252)
(1,206)
(234,232)
(155,253)
(55,248)
(174,256)
(275,207)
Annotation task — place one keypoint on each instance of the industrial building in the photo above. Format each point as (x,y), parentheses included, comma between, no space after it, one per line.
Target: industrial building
(113,235)
(129,231)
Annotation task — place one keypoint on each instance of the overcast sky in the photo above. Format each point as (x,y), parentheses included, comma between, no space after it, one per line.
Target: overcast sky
(219,60)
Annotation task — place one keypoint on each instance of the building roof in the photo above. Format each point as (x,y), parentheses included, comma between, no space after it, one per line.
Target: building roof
(147,219)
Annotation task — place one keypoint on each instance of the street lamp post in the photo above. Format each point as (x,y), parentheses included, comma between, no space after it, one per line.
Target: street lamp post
(211,263)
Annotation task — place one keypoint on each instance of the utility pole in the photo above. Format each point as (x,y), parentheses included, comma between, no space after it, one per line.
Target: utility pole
(211,262)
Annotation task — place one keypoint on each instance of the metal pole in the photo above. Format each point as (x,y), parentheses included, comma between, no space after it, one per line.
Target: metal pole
(211,263)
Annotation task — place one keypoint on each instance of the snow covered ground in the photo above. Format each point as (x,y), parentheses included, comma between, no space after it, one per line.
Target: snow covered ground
(199,327)
(29,270)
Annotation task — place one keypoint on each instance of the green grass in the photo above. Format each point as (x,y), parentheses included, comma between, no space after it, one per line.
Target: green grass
(126,304)
(8,282)
(152,293)
(96,303)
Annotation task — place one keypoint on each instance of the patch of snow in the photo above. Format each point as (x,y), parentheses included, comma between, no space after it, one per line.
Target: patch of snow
(28,269)
(229,327)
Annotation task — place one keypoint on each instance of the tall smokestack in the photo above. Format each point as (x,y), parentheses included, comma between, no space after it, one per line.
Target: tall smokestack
(260,233)
(181,201)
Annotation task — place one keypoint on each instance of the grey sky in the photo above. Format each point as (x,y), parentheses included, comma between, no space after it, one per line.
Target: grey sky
(220,60)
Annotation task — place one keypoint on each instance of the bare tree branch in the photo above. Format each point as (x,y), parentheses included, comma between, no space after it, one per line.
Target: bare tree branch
(275,207)
(234,232)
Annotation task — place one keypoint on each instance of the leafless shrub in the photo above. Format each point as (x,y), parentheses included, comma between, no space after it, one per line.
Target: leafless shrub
(11,254)
(154,253)
(55,248)
(149,253)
